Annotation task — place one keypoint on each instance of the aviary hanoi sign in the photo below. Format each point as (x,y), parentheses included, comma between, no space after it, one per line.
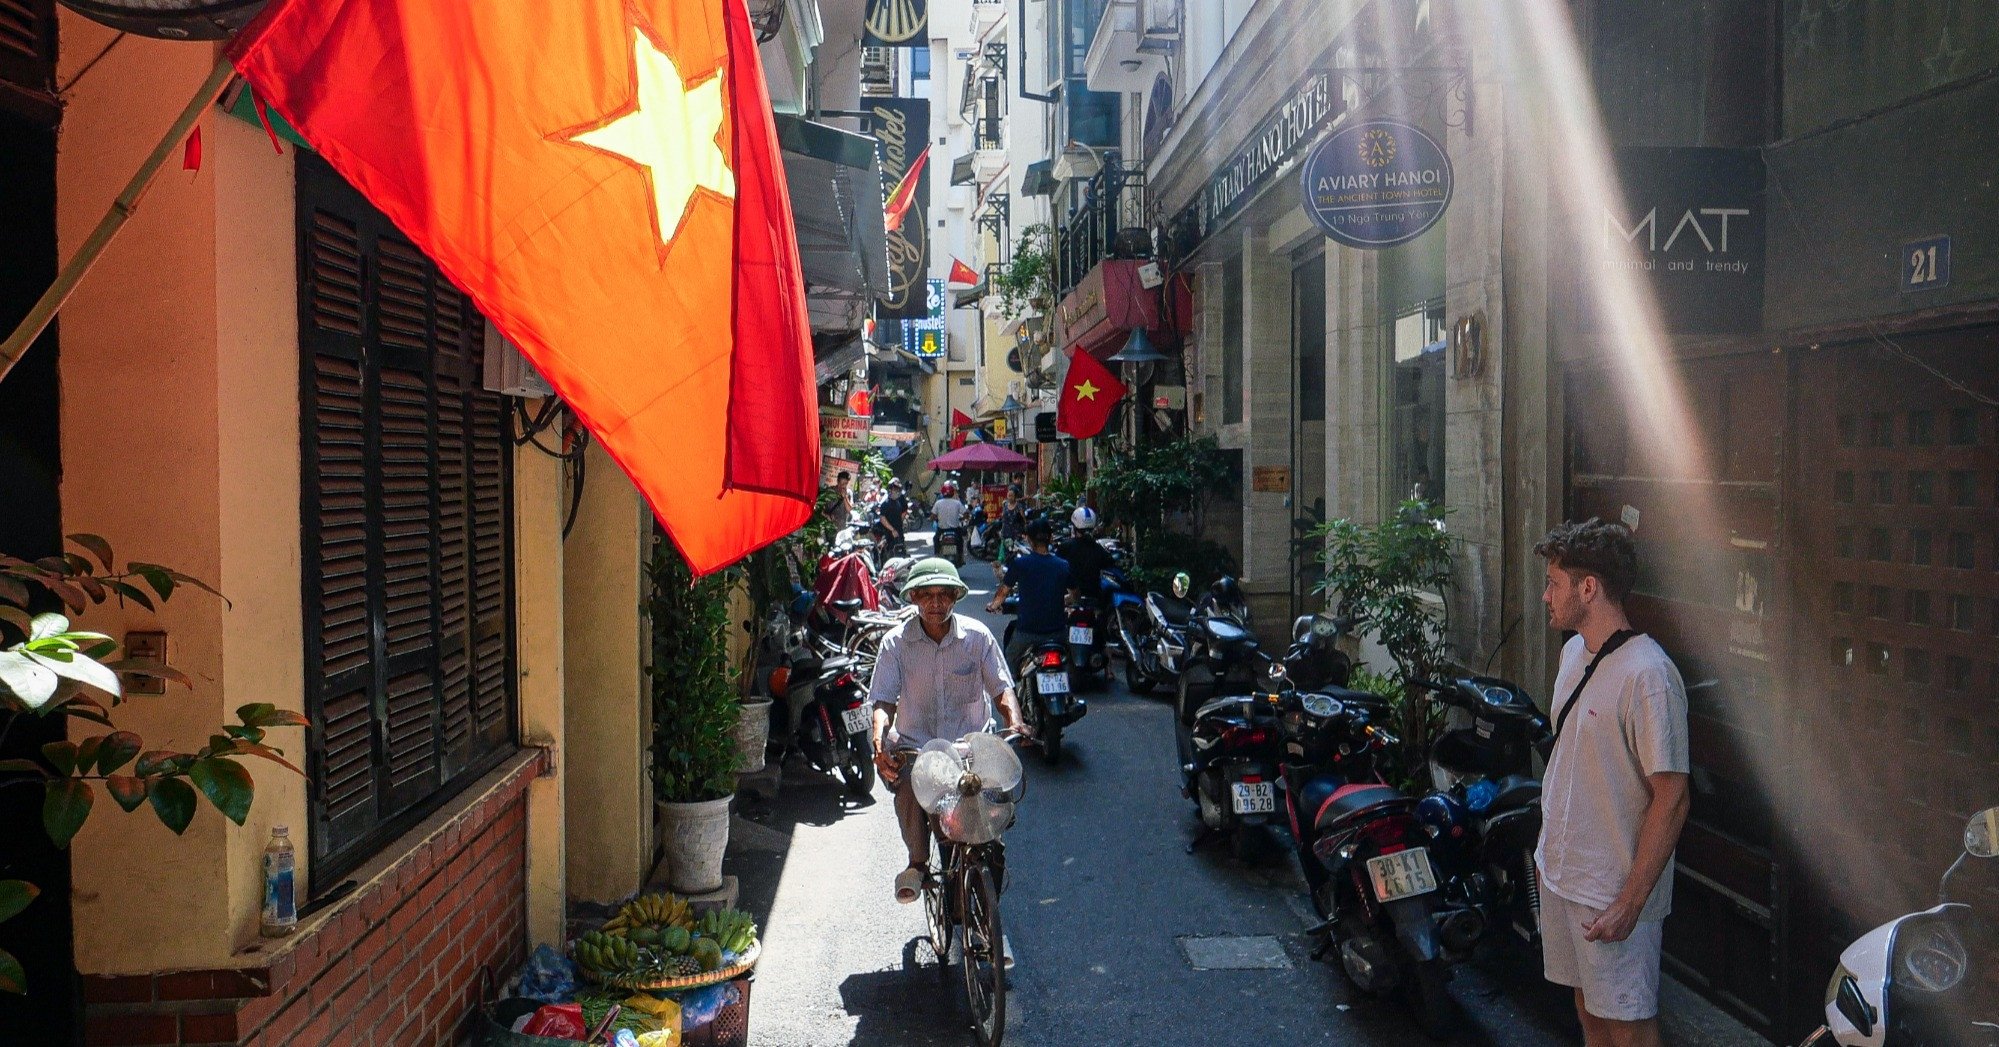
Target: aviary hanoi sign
(1277,140)
(1376,184)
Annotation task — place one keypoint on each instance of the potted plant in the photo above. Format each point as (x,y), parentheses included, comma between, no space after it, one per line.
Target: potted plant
(1025,283)
(694,715)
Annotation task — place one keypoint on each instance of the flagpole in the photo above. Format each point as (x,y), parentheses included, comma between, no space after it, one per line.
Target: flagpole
(44,312)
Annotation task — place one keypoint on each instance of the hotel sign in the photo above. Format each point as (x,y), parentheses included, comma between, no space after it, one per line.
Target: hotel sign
(1376,184)
(1281,136)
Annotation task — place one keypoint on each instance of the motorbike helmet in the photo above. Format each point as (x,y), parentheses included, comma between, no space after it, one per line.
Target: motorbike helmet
(950,489)
(1181,583)
(931,572)
(1227,591)
(1083,519)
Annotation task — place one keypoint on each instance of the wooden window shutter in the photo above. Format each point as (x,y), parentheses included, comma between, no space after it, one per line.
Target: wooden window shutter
(28,50)
(405,488)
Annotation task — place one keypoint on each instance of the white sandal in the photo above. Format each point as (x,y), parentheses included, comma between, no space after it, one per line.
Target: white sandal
(908,885)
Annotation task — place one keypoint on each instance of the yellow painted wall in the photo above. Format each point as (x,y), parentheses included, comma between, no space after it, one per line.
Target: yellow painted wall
(142,436)
(539,504)
(605,710)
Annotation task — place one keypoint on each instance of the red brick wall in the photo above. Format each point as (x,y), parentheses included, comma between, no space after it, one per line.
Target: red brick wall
(396,963)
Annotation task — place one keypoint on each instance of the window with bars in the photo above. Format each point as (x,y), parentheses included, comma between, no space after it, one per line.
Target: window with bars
(407,580)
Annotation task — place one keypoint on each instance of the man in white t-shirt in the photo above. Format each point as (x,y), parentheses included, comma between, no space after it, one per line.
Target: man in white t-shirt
(1614,797)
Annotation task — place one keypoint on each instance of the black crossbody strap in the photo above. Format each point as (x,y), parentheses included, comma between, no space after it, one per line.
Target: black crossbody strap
(1615,641)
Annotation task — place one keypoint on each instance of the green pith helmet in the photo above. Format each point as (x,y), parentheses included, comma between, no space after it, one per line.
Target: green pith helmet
(932,572)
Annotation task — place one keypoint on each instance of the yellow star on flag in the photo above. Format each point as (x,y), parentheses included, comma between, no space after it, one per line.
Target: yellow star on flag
(1087,390)
(670,133)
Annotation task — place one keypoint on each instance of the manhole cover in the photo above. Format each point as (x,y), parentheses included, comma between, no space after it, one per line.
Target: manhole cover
(1233,953)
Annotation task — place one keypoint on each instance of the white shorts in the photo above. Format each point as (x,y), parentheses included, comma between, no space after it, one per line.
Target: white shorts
(1619,980)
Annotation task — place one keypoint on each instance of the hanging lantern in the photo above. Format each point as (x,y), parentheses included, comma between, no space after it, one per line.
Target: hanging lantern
(171,19)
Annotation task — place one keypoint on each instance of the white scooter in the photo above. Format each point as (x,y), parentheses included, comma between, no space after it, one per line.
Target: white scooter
(1924,978)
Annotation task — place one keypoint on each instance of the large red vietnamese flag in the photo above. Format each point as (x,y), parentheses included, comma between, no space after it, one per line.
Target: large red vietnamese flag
(603,178)
(1089,392)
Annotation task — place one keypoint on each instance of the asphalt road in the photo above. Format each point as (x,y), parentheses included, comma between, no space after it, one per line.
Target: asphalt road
(1106,911)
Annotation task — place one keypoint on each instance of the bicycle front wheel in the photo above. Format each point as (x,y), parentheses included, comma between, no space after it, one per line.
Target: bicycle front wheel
(985,957)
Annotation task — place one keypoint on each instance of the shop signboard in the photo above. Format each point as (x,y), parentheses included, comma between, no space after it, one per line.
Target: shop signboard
(1276,141)
(925,338)
(900,126)
(1376,184)
(846,434)
(896,23)
(1691,228)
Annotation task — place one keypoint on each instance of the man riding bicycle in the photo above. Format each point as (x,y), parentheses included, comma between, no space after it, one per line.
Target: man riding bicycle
(941,675)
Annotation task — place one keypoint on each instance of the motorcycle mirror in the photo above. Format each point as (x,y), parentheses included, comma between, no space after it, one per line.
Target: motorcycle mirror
(1301,628)
(1981,834)
(1181,585)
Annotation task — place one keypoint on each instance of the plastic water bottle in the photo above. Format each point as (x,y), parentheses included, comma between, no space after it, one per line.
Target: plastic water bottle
(280,897)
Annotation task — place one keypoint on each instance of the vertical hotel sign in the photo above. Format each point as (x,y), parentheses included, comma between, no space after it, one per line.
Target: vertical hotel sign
(901,126)
(896,23)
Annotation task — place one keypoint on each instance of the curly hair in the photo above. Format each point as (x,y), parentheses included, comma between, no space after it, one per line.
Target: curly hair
(1602,549)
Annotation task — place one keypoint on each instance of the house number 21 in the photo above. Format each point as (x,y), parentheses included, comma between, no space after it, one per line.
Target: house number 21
(1926,264)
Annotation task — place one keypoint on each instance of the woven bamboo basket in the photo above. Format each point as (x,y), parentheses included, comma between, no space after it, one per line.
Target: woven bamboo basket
(688,981)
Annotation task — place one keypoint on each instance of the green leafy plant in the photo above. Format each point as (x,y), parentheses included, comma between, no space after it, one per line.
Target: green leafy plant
(1027,278)
(49,669)
(692,679)
(1141,489)
(1396,577)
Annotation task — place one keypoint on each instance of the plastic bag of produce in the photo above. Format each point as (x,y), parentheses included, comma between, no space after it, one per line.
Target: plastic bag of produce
(548,977)
(561,1021)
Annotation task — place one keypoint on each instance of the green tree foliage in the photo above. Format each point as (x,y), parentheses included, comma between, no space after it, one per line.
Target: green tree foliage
(692,681)
(1143,488)
(1396,577)
(49,669)
(1027,279)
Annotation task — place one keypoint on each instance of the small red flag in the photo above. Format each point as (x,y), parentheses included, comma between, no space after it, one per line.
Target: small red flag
(962,273)
(905,193)
(602,177)
(960,420)
(1089,391)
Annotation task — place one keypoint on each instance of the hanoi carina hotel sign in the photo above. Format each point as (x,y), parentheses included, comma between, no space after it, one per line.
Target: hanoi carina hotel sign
(1377,184)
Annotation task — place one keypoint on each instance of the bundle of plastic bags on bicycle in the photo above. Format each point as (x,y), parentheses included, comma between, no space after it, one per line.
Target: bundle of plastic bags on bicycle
(969,786)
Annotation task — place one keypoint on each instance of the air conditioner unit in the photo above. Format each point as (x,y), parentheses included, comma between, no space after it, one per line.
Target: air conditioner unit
(1158,26)
(508,372)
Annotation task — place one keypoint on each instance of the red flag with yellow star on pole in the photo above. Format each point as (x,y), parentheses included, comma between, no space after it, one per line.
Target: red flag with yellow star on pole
(1089,391)
(602,177)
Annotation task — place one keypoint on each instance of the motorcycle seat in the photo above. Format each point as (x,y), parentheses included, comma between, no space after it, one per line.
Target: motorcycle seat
(1351,802)
(1176,610)
(1516,790)
(1223,631)
(853,604)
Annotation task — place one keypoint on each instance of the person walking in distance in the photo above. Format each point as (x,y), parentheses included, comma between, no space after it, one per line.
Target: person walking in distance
(1614,797)
(938,676)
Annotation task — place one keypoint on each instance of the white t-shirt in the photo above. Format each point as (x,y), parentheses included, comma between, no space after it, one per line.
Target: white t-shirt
(949,511)
(1629,723)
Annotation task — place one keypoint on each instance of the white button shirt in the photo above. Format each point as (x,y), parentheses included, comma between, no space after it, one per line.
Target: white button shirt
(940,690)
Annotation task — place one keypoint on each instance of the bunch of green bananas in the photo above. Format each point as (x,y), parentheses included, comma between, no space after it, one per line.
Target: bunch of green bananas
(732,928)
(606,954)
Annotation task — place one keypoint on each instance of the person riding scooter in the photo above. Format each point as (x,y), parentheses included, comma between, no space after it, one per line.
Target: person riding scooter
(949,513)
(1041,579)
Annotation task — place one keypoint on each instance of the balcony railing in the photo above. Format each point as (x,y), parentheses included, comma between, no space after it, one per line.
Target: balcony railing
(1109,223)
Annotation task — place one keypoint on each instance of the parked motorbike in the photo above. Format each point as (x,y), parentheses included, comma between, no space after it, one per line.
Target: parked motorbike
(1087,653)
(1924,978)
(1218,642)
(1366,859)
(1154,635)
(1484,814)
(1230,754)
(825,714)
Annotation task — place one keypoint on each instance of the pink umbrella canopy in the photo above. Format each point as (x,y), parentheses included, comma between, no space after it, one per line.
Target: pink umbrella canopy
(990,457)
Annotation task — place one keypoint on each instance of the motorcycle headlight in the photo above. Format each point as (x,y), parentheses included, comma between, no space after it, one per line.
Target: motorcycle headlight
(1929,957)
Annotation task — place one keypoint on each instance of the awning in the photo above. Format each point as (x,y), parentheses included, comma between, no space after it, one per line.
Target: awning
(836,205)
(962,172)
(839,361)
(970,296)
(1039,179)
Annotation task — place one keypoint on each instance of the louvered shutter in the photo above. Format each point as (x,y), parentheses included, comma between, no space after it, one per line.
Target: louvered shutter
(28,46)
(405,488)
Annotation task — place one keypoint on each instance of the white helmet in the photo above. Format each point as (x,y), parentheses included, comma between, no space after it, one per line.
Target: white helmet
(1083,519)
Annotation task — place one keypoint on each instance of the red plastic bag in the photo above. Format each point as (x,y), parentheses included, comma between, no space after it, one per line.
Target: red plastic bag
(562,1021)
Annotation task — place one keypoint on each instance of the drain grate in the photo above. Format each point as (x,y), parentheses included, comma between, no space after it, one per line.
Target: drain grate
(1228,952)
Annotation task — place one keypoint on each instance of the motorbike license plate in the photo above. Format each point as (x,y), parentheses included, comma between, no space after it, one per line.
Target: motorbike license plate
(1082,634)
(1052,683)
(856,719)
(1404,874)
(1254,798)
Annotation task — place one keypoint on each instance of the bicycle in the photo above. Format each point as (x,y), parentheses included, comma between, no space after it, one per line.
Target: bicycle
(961,893)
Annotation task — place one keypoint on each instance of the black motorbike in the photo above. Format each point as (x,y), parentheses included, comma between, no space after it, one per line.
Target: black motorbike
(1219,647)
(1366,858)
(824,715)
(1485,813)
(1087,651)
(1046,689)
(949,542)
(1153,631)
(1231,753)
